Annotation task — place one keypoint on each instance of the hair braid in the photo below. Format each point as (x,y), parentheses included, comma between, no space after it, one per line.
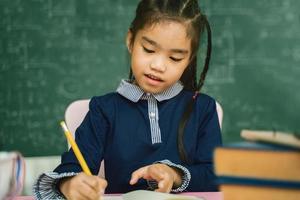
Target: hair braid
(208,54)
(190,105)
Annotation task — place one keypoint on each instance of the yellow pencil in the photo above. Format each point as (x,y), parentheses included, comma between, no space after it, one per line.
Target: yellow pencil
(75,148)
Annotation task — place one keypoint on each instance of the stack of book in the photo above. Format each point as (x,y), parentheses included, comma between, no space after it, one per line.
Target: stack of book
(267,167)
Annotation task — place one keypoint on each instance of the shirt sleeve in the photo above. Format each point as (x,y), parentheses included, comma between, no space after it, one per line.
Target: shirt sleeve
(209,137)
(90,138)
(46,185)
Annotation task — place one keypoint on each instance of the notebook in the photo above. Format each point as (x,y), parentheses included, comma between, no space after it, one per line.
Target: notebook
(150,195)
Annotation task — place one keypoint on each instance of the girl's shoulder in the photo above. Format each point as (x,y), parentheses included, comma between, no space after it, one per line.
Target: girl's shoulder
(108,98)
(203,104)
(201,98)
(108,104)
(106,101)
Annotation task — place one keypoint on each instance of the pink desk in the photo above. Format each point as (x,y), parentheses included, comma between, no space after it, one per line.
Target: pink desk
(206,195)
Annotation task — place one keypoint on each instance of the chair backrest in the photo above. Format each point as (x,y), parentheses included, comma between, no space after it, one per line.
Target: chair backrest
(77,110)
(74,115)
(220,113)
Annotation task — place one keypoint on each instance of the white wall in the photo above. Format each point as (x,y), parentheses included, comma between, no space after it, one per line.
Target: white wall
(34,166)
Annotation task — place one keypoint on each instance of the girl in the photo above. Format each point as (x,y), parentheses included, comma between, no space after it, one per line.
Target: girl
(155,132)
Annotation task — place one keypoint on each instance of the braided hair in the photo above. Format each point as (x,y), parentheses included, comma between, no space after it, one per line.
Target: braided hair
(149,12)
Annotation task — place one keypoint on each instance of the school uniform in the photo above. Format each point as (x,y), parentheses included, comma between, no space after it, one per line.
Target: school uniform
(130,129)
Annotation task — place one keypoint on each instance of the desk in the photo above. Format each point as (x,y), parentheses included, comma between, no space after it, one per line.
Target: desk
(206,195)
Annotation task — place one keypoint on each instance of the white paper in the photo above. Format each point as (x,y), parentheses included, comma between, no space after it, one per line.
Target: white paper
(150,195)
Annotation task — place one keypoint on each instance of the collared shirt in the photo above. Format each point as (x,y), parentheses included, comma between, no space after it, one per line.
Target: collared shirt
(134,93)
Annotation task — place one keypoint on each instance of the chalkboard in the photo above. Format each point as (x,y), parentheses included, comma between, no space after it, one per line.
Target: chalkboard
(54,52)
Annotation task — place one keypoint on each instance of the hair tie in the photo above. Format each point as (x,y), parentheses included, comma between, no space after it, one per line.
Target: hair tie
(195,95)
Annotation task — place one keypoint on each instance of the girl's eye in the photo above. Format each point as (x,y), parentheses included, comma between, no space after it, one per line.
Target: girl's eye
(176,59)
(148,50)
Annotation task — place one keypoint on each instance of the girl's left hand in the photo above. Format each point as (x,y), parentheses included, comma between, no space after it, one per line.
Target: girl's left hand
(166,176)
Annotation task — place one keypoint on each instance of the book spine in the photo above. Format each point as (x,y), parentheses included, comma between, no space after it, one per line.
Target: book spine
(234,180)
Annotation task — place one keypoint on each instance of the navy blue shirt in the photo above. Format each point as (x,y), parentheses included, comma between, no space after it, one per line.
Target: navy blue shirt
(117,130)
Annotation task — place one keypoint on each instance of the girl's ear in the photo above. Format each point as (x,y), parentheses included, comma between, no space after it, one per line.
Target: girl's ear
(128,41)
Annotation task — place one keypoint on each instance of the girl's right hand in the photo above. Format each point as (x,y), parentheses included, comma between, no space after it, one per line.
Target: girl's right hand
(83,186)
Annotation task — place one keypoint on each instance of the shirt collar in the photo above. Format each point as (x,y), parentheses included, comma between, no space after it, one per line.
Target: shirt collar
(134,93)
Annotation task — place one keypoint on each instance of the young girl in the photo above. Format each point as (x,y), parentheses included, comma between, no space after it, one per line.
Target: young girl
(156,131)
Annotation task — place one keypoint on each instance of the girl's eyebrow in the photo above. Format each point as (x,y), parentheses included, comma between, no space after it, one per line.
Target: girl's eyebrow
(182,51)
(149,41)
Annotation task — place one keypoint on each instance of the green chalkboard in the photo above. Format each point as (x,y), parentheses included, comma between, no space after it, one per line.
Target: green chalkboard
(54,52)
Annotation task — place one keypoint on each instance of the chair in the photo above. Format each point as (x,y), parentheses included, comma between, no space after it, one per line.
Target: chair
(77,110)
(220,113)
(74,115)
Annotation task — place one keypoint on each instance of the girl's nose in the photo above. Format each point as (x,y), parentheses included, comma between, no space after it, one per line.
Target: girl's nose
(158,64)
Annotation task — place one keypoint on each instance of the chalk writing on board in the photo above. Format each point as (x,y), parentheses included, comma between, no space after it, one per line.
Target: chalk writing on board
(54,52)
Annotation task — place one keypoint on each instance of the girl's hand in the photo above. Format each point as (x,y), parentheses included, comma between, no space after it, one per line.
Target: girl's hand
(166,176)
(83,186)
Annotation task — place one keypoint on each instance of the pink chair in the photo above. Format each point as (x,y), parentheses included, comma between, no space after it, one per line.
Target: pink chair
(74,115)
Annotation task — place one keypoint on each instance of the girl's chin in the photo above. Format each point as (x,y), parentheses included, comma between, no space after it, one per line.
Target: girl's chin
(152,89)
(150,86)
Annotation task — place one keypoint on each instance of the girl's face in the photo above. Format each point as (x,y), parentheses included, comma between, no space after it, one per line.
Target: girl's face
(159,55)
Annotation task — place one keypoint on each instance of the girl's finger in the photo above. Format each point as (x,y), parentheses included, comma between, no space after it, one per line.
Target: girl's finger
(163,178)
(98,184)
(87,192)
(137,174)
(156,173)
(92,182)
(164,186)
(102,185)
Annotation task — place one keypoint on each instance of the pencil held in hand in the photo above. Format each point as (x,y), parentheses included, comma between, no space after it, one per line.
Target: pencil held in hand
(75,148)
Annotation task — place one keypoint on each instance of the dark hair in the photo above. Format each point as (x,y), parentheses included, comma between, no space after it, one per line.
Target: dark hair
(149,12)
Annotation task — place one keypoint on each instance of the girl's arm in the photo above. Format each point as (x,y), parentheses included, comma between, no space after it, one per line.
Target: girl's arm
(202,168)
(90,137)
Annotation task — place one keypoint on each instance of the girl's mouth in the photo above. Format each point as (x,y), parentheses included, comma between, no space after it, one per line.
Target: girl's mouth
(155,78)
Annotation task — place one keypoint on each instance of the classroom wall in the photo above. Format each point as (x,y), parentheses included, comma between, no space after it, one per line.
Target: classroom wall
(54,52)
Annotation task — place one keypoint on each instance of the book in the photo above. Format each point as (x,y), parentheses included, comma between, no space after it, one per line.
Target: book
(275,137)
(12,174)
(239,191)
(258,160)
(150,195)
(254,170)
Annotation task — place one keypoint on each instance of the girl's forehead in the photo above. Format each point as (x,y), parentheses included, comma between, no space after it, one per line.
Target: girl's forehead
(171,34)
(162,24)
